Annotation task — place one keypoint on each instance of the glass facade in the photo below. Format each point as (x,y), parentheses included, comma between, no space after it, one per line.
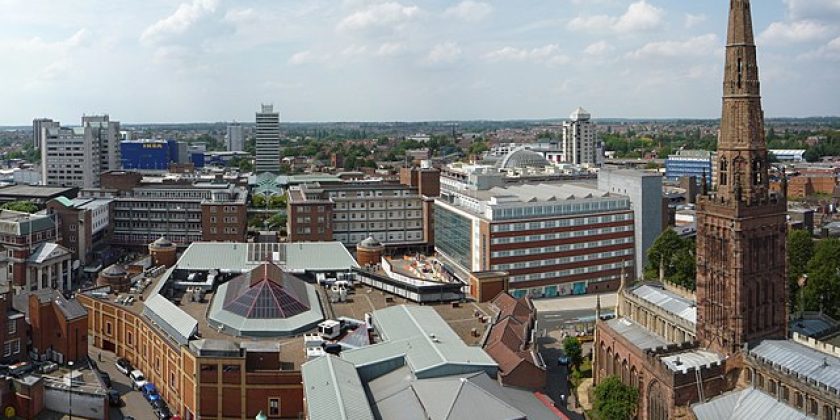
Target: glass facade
(676,167)
(452,236)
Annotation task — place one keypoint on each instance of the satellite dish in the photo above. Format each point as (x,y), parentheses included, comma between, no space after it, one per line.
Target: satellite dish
(76,264)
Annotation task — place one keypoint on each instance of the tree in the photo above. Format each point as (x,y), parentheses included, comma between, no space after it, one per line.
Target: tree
(258,200)
(22,206)
(614,400)
(572,349)
(677,255)
(800,248)
(277,201)
(822,290)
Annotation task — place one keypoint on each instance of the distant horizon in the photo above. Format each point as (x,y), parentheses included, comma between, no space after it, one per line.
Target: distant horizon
(487,120)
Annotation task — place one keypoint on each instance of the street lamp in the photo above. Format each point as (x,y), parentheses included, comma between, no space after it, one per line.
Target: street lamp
(70,364)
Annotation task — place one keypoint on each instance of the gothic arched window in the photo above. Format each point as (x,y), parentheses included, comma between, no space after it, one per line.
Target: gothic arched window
(724,169)
(756,172)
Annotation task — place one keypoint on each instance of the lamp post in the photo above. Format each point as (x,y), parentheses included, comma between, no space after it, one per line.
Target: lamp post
(70,364)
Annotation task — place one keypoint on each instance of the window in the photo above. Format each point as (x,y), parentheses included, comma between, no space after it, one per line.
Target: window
(107,328)
(12,326)
(274,406)
(16,346)
(7,349)
(129,337)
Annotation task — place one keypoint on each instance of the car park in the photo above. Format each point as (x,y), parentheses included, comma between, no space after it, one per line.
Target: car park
(124,366)
(137,379)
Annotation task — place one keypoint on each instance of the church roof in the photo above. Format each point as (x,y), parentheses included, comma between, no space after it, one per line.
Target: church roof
(749,403)
(801,361)
(636,334)
(668,301)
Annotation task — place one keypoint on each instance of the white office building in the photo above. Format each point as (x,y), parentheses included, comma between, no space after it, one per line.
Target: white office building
(235,137)
(580,144)
(268,140)
(74,157)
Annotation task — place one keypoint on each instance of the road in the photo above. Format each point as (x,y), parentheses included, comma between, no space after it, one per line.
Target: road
(134,404)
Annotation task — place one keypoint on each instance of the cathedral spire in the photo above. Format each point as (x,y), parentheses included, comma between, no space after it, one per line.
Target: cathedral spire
(740,23)
(742,148)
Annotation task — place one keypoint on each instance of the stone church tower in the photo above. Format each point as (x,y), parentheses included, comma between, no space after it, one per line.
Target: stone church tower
(741,226)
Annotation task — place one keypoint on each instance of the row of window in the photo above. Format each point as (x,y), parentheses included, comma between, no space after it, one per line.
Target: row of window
(378,215)
(392,204)
(562,260)
(566,273)
(380,236)
(562,235)
(11,347)
(562,248)
(370,193)
(550,224)
(408,224)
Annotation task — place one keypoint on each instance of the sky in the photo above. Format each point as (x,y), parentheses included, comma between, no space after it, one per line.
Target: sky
(403,60)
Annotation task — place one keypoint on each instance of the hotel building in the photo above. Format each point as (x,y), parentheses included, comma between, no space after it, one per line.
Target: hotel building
(552,239)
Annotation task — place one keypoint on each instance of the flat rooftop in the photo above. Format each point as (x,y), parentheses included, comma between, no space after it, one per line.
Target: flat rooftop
(36,191)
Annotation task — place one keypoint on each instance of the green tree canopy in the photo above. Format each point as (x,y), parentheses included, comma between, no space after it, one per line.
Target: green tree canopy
(614,400)
(572,349)
(822,290)
(678,256)
(800,249)
(258,200)
(24,206)
(277,201)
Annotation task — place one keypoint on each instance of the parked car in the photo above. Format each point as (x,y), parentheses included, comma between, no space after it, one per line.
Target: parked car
(158,404)
(124,366)
(150,391)
(48,367)
(137,379)
(114,399)
(106,379)
(163,413)
(20,369)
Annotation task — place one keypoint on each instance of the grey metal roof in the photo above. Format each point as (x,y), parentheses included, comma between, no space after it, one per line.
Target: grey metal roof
(636,334)
(801,361)
(813,326)
(668,301)
(333,390)
(424,338)
(319,256)
(309,256)
(399,395)
(173,320)
(746,404)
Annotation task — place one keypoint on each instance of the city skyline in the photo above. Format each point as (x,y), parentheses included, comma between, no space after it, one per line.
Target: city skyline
(319,61)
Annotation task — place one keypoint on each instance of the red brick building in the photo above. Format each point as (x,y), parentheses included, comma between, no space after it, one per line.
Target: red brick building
(59,326)
(510,346)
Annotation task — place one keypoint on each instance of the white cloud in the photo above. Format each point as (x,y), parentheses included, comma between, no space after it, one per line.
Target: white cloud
(383,14)
(390,49)
(829,51)
(639,17)
(548,54)
(446,52)
(598,48)
(813,9)
(693,20)
(783,33)
(469,10)
(697,46)
(186,15)
(306,57)
(355,50)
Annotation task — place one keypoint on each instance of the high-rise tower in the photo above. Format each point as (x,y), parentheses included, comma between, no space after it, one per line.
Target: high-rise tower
(741,228)
(268,140)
